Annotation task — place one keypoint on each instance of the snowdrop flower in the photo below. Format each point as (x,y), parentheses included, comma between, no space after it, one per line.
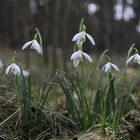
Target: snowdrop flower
(34,45)
(82,35)
(15,69)
(107,67)
(1,64)
(77,57)
(136,58)
(25,73)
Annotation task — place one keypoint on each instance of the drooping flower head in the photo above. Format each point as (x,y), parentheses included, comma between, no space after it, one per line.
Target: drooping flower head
(13,68)
(34,45)
(16,70)
(108,66)
(77,57)
(81,36)
(135,57)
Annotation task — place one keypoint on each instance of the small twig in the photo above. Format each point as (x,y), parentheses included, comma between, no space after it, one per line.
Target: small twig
(9,117)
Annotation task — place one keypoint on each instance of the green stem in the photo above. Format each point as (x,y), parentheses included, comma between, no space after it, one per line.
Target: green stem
(41,67)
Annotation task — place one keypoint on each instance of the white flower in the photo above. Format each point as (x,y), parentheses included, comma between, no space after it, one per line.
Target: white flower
(136,58)
(82,35)
(34,45)
(1,64)
(25,73)
(15,69)
(77,57)
(108,67)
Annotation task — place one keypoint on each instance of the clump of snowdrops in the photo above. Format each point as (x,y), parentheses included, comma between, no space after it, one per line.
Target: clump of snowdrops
(99,107)
(31,104)
(88,109)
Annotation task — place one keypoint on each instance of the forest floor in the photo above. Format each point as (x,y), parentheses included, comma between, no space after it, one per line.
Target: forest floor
(55,121)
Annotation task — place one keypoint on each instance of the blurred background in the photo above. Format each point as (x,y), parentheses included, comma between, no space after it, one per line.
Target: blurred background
(114,25)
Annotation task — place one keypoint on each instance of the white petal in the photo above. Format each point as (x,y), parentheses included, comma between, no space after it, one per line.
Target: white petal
(8,69)
(103,68)
(129,59)
(78,36)
(137,58)
(15,69)
(115,67)
(37,47)
(107,67)
(25,73)
(90,38)
(76,62)
(76,55)
(26,44)
(87,57)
